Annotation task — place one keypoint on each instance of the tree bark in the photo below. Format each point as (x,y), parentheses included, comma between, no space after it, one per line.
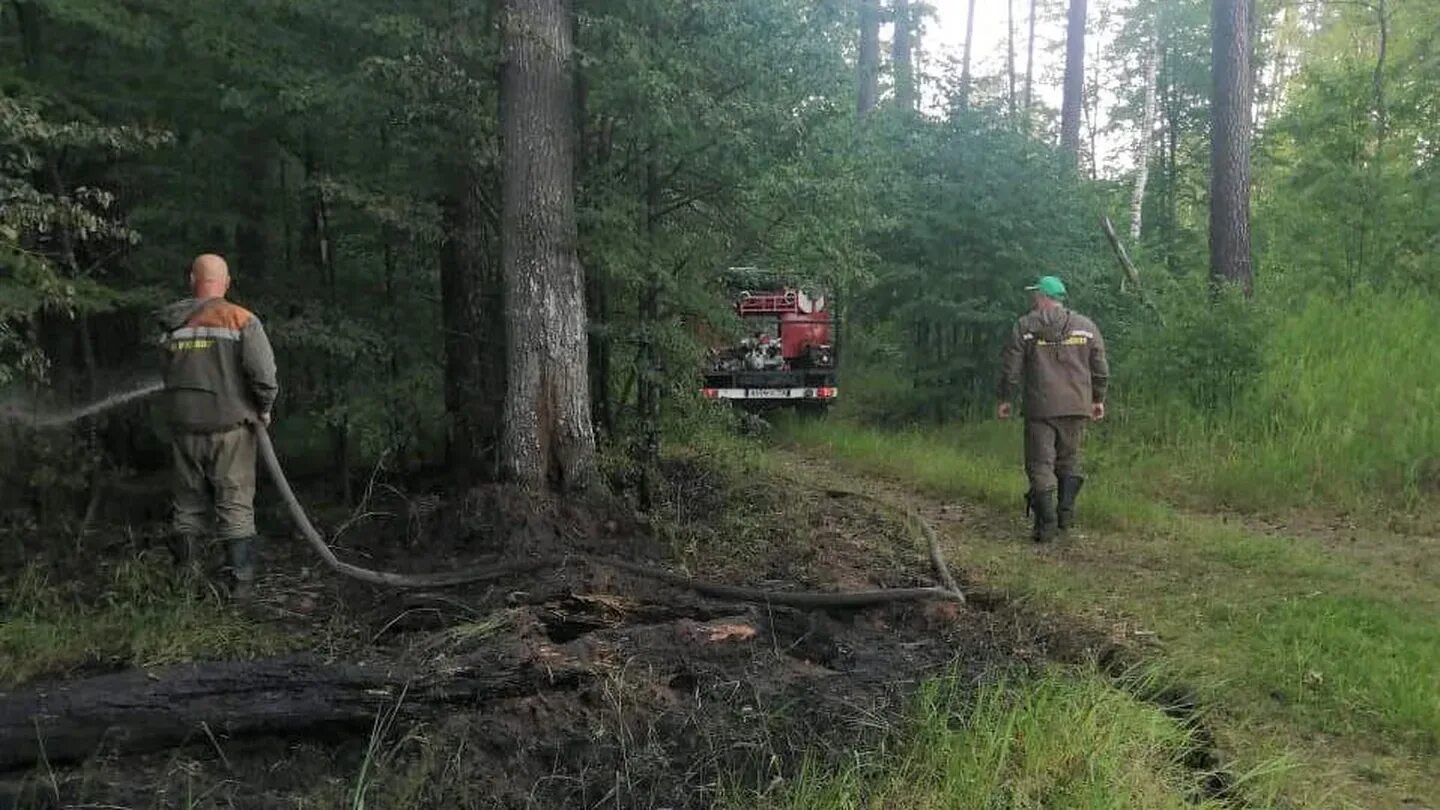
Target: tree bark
(902,57)
(1030,64)
(869,57)
(1009,57)
(252,231)
(1074,101)
(1142,145)
(138,712)
(649,373)
(1092,112)
(473,316)
(1230,260)
(547,439)
(1382,112)
(1172,171)
(969,49)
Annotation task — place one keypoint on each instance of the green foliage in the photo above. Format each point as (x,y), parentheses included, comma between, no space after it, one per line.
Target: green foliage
(46,229)
(986,209)
(1206,354)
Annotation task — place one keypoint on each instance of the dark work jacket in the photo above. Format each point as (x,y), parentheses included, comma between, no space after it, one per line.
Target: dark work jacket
(1057,358)
(218,367)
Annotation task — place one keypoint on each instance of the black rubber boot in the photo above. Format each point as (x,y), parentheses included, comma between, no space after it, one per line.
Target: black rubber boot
(183,548)
(242,566)
(1042,507)
(1069,489)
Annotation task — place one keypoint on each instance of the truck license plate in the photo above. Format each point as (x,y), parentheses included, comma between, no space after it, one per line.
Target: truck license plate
(769,393)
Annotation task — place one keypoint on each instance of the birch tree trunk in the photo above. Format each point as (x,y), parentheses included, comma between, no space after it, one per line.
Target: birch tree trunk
(1142,146)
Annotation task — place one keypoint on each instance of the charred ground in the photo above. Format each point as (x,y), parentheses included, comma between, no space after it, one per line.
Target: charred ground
(575,686)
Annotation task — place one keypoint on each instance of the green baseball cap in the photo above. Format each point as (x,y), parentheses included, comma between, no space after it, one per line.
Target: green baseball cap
(1050,287)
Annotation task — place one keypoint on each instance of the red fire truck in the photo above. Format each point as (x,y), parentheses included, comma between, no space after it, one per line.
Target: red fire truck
(788,356)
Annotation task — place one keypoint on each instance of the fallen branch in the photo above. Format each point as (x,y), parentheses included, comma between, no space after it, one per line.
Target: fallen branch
(1127,266)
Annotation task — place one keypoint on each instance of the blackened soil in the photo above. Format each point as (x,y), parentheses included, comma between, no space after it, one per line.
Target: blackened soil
(654,697)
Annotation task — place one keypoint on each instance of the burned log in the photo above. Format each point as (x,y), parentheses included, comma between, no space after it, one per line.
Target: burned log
(135,712)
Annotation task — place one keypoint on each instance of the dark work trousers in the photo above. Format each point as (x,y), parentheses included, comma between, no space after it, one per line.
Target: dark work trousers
(215,483)
(1052,450)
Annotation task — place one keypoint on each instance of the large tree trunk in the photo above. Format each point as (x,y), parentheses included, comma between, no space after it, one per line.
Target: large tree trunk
(547,438)
(903,57)
(869,57)
(1074,102)
(1142,145)
(1230,261)
(137,712)
(473,314)
(969,49)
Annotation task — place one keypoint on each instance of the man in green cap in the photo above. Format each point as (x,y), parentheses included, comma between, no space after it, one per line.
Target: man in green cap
(1057,358)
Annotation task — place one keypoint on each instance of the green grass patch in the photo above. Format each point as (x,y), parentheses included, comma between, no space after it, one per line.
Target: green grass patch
(1065,739)
(980,462)
(137,612)
(1281,631)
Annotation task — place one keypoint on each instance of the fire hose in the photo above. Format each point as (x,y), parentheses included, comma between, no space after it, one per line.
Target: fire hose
(947,590)
(808,599)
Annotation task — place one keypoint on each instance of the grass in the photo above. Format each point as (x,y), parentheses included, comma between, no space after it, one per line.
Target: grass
(1067,739)
(1300,640)
(138,612)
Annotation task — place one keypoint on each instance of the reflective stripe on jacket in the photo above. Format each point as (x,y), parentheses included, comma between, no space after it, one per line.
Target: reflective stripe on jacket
(1057,358)
(219,369)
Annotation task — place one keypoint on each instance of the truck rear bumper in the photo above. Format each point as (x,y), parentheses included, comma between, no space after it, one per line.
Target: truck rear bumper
(812,393)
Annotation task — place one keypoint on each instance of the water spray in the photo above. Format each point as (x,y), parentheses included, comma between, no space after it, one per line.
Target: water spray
(54,420)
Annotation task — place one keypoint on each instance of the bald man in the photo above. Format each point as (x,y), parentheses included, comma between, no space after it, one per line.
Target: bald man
(219,374)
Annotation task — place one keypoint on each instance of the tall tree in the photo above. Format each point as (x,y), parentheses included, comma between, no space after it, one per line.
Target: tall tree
(868,60)
(548,438)
(903,56)
(1030,62)
(1009,56)
(1143,141)
(472,313)
(969,49)
(1230,260)
(1074,101)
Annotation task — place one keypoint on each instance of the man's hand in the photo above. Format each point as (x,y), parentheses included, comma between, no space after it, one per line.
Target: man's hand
(265,419)
(1004,411)
(1097,411)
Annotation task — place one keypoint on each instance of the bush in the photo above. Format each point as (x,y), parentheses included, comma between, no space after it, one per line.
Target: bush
(1207,355)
